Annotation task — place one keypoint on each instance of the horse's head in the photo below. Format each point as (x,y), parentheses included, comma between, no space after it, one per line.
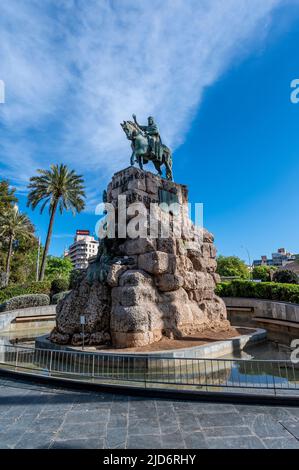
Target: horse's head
(129,129)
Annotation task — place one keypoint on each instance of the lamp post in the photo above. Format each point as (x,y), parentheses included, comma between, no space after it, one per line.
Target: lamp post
(249,259)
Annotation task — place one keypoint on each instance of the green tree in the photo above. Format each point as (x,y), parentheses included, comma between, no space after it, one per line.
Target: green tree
(14,227)
(58,268)
(24,262)
(263,273)
(7,196)
(7,200)
(232,266)
(60,188)
(286,276)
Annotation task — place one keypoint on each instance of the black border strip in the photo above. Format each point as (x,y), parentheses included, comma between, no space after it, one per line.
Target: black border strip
(215,397)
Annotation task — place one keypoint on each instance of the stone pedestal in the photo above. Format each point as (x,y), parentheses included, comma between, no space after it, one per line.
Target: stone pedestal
(140,289)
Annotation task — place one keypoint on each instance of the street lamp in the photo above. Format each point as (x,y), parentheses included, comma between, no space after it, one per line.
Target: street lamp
(249,259)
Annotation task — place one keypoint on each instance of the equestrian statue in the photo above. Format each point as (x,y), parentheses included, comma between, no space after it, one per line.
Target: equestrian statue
(147,145)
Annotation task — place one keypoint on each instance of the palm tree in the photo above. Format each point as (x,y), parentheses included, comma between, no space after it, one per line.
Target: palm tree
(7,196)
(14,226)
(58,187)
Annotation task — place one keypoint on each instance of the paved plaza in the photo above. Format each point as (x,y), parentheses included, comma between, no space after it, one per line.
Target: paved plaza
(36,417)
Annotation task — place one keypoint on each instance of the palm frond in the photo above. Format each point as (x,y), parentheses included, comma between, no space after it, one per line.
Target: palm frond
(57,186)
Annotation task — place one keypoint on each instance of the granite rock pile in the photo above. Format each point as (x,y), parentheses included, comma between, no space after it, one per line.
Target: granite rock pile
(141,289)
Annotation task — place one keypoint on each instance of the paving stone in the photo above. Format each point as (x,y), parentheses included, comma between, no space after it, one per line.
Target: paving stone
(86,416)
(168,420)
(251,442)
(73,430)
(35,440)
(195,440)
(10,437)
(278,413)
(143,426)
(32,411)
(6,422)
(116,438)
(173,440)
(291,427)
(265,426)
(150,441)
(46,414)
(85,406)
(26,420)
(293,412)
(3,410)
(250,409)
(57,407)
(281,443)
(227,431)
(141,409)
(208,420)
(15,413)
(46,425)
(203,407)
(188,422)
(118,420)
(4,446)
(120,407)
(183,405)
(91,443)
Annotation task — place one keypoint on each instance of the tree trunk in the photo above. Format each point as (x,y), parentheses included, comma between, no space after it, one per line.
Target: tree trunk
(48,241)
(8,259)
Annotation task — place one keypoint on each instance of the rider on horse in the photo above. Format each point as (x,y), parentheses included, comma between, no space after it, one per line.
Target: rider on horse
(147,146)
(153,136)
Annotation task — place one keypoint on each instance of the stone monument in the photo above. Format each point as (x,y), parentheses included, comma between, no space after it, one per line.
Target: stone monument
(159,283)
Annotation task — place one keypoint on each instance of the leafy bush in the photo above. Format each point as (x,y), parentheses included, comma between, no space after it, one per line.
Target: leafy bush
(223,289)
(263,273)
(259,290)
(25,301)
(59,296)
(228,266)
(43,287)
(59,285)
(285,276)
(58,267)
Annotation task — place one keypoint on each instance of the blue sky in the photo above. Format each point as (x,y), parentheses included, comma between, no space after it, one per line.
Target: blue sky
(216,75)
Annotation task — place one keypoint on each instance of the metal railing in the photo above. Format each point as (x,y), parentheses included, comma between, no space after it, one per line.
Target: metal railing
(154,371)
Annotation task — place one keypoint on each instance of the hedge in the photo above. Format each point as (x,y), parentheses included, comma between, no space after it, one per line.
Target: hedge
(31,288)
(25,301)
(259,290)
(59,296)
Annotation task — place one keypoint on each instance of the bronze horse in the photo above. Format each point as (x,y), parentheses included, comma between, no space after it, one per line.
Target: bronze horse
(142,152)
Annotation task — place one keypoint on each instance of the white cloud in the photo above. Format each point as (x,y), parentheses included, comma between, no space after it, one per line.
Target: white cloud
(75,69)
